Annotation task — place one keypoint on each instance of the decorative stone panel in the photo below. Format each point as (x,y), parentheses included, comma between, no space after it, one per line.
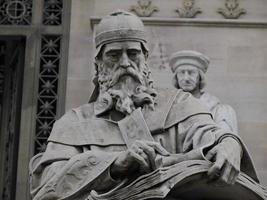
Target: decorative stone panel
(48,89)
(2,71)
(188,10)
(52,12)
(231,10)
(144,8)
(15,12)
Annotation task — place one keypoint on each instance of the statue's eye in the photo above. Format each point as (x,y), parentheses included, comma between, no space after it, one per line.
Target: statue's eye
(113,56)
(180,72)
(192,72)
(133,53)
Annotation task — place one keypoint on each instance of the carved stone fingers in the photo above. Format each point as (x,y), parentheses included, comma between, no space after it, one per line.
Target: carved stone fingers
(226,167)
(141,159)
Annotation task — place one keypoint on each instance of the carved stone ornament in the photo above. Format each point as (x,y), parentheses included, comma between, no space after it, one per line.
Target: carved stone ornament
(52,12)
(232,10)
(144,8)
(188,10)
(16,12)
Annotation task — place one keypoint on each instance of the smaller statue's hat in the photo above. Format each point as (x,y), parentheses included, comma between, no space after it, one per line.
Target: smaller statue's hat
(187,57)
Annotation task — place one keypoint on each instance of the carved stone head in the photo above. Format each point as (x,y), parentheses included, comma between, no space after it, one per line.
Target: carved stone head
(120,26)
(189,68)
(122,77)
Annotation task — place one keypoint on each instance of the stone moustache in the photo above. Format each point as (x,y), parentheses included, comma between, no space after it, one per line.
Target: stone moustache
(131,132)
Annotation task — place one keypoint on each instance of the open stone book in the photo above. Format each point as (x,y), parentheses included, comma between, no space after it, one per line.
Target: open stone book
(186,180)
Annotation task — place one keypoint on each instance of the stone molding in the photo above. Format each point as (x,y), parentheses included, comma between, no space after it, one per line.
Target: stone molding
(195,22)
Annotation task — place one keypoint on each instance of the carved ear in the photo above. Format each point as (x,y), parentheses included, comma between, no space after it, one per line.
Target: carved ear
(175,81)
(202,81)
(144,50)
(98,52)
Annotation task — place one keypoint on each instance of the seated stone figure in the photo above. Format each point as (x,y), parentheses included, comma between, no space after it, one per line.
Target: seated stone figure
(96,148)
(189,68)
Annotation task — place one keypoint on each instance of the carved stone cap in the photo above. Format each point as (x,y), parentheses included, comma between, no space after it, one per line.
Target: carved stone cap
(186,57)
(119,35)
(120,26)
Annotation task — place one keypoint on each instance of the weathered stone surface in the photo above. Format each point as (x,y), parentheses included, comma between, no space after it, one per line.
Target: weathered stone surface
(130,132)
(241,74)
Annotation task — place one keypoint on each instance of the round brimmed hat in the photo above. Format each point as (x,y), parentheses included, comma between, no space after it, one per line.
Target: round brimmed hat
(193,58)
(120,26)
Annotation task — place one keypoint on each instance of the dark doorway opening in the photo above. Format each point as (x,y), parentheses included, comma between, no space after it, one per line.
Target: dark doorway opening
(12,53)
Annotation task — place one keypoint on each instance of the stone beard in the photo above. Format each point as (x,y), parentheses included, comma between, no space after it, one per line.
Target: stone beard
(125,88)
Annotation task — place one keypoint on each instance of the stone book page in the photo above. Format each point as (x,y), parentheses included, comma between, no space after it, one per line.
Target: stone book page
(180,180)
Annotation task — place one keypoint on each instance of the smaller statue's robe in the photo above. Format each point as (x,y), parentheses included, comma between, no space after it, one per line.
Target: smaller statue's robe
(82,147)
(223,114)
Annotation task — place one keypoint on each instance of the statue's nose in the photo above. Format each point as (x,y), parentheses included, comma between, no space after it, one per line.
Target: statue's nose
(124,61)
(186,76)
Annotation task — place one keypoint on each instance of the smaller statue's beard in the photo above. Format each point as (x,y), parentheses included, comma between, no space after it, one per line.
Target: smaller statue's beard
(125,90)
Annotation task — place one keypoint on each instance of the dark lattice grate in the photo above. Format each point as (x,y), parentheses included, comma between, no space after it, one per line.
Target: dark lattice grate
(52,13)
(48,89)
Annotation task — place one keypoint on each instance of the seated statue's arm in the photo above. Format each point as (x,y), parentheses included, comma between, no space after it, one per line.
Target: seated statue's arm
(225,117)
(220,146)
(65,171)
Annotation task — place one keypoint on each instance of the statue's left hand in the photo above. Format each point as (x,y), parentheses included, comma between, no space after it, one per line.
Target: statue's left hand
(227,157)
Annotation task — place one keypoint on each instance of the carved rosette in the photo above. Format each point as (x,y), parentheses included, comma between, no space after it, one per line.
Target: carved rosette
(188,10)
(231,10)
(144,8)
(15,12)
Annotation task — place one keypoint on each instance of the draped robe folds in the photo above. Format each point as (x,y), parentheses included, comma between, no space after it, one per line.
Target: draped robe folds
(82,147)
(223,115)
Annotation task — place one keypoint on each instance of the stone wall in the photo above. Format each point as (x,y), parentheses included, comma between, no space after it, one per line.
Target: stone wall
(237,49)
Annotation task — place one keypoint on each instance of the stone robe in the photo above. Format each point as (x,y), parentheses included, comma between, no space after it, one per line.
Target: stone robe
(224,115)
(82,147)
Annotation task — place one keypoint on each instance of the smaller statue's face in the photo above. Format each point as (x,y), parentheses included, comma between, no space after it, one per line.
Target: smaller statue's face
(187,77)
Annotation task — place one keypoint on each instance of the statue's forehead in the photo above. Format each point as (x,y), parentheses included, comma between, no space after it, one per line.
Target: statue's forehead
(187,67)
(122,45)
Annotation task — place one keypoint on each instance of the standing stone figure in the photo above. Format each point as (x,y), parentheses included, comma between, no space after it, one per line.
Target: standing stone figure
(129,129)
(189,68)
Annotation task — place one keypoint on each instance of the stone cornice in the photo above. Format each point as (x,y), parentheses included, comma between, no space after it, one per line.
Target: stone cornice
(232,23)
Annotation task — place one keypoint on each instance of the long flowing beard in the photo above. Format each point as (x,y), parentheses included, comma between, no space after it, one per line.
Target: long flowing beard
(125,89)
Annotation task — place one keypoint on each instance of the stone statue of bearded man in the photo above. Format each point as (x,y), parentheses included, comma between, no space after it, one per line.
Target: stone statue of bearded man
(129,129)
(122,75)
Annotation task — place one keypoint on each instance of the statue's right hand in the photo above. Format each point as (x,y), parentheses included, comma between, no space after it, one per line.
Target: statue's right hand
(140,156)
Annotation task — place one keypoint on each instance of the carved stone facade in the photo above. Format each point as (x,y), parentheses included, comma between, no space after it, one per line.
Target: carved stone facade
(48,89)
(31,92)
(231,10)
(144,8)
(188,10)
(16,12)
(52,12)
